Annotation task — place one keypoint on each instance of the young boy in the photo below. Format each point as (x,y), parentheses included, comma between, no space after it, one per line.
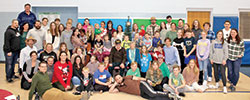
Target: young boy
(102,79)
(189,47)
(97,29)
(86,81)
(98,48)
(156,40)
(126,42)
(142,32)
(147,42)
(134,71)
(176,82)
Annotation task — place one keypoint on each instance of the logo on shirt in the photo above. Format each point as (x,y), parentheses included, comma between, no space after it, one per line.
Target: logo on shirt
(102,77)
(218,46)
(189,43)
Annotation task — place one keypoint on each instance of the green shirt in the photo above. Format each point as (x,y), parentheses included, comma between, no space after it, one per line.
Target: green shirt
(22,39)
(176,81)
(164,69)
(97,31)
(135,73)
(172,35)
(41,83)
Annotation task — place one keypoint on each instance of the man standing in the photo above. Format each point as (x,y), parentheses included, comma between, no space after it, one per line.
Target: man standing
(11,49)
(169,21)
(45,25)
(39,35)
(227,29)
(180,24)
(171,55)
(25,52)
(153,27)
(117,57)
(27,16)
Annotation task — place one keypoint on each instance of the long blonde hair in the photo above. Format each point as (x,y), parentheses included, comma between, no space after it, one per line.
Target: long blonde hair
(195,69)
(151,70)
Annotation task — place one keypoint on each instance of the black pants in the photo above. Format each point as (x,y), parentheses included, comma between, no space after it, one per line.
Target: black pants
(101,87)
(143,74)
(148,92)
(181,55)
(222,72)
(113,66)
(87,88)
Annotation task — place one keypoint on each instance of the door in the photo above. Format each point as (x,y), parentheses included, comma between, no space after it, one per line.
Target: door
(201,16)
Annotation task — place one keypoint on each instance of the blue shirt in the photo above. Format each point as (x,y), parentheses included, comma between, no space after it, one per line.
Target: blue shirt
(102,76)
(147,43)
(24,17)
(171,55)
(189,44)
(144,62)
(156,41)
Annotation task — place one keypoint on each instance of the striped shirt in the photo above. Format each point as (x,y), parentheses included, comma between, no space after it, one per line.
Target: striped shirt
(234,50)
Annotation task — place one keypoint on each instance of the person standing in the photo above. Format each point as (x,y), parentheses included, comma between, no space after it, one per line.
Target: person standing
(169,22)
(11,49)
(153,27)
(27,16)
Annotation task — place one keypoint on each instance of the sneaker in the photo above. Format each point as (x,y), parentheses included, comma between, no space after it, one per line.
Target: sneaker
(15,77)
(230,87)
(209,79)
(233,89)
(225,90)
(77,93)
(217,85)
(9,80)
(182,94)
(204,83)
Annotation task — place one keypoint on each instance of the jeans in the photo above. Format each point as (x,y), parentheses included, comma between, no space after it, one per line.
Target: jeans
(209,69)
(203,67)
(233,70)
(76,81)
(10,62)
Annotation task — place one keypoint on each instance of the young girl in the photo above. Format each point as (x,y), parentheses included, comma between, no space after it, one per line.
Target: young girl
(196,28)
(189,47)
(78,52)
(97,29)
(176,82)
(191,76)
(158,51)
(63,47)
(90,35)
(179,44)
(114,38)
(126,42)
(218,57)
(120,33)
(106,46)
(135,29)
(142,31)
(145,60)
(235,53)
(98,48)
(156,40)
(77,70)
(163,31)
(138,41)
(134,71)
(62,73)
(155,76)
(92,65)
(202,53)
(103,29)
(75,38)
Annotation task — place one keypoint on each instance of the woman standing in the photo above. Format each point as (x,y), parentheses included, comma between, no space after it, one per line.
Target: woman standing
(235,53)
(53,36)
(218,57)
(30,67)
(163,31)
(23,32)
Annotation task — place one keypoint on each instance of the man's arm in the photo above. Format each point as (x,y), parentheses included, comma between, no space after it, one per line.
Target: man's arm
(138,78)
(33,86)
(113,89)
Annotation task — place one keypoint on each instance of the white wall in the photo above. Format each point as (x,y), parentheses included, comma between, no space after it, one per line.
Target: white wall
(220,7)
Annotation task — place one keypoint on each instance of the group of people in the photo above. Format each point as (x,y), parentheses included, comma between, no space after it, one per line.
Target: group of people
(150,61)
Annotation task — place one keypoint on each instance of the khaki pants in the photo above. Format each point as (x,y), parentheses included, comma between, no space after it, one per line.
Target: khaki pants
(56,94)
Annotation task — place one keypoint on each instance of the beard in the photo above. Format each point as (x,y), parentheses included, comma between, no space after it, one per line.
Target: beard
(38,27)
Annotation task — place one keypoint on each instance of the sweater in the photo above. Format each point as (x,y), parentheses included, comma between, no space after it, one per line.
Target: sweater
(56,42)
(156,41)
(65,37)
(117,56)
(202,49)
(190,77)
(218,51)
(11,40)
(40,83)
(62,73)
(28,67)
(45,55)
(24,17)
(172,35)
(136,54)
(171,55)
(164,69)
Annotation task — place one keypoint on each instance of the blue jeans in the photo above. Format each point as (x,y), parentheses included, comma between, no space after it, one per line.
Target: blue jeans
(203,67)
(233,70)
(209,69)
(76,80)
(10,62)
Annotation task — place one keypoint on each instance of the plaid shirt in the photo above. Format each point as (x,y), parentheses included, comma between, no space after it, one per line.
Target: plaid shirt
(210,35)
(151,31)
(234,50)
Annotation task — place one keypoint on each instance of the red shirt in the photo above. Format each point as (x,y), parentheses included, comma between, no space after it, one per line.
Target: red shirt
(62,73)
(142,33)
(158,53)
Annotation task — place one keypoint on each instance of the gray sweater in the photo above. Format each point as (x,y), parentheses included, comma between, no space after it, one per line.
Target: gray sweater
(28,67)
(65,37)
(218,52)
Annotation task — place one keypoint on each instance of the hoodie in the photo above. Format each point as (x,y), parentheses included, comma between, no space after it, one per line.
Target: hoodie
(218,51)
(11,40)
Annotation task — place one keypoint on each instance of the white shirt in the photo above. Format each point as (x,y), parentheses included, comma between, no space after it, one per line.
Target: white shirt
(56,44)
(226,33)
(25,55)
(45,28)
(120,36)
(168,25)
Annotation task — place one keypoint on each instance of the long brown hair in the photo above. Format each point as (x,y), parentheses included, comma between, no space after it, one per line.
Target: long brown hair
(222,39)
(151,70)
(133,28)
(53,31)
(199,25)
(145,52)
(238,39)
(60,48)
(195,69)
